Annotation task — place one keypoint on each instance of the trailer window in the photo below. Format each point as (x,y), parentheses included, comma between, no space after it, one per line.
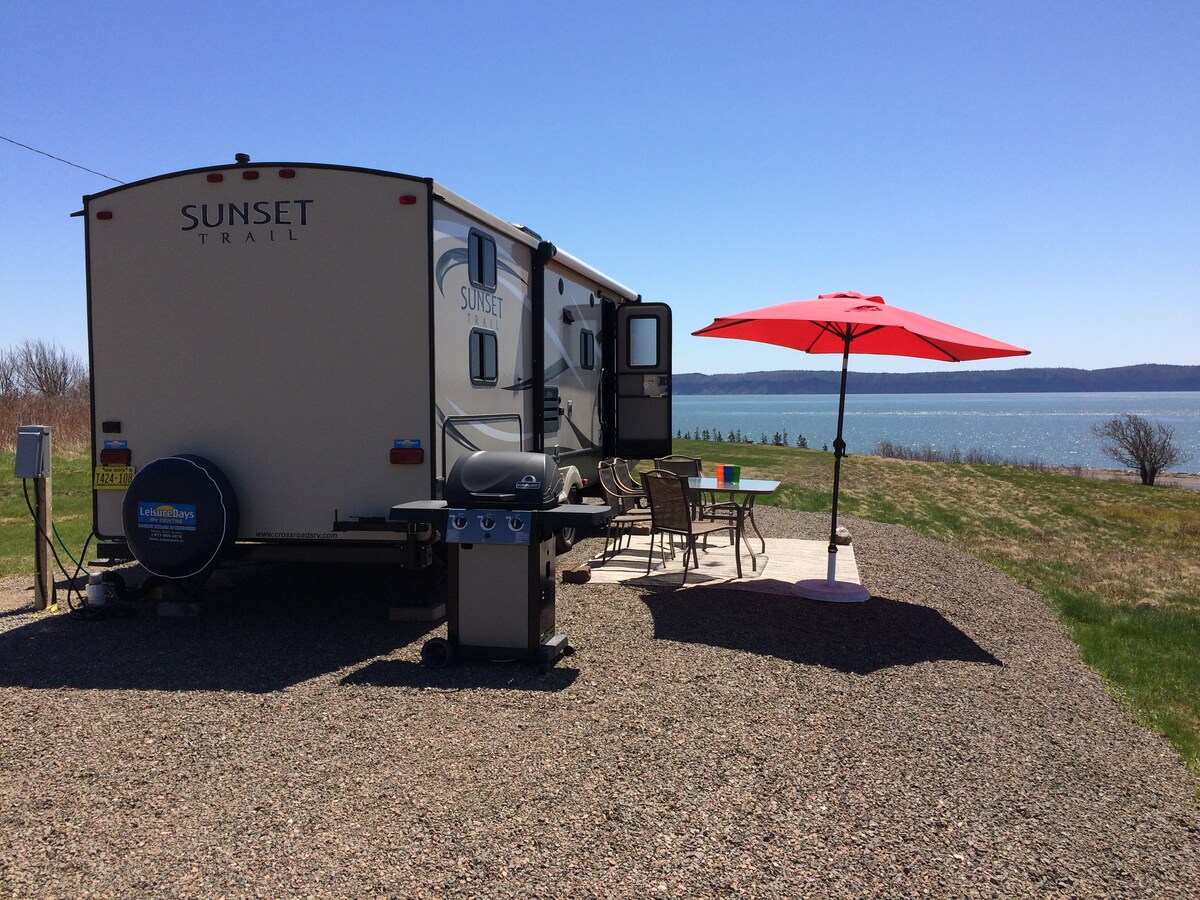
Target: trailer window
(587,350)
(481,259)
(643,342)
(483,356)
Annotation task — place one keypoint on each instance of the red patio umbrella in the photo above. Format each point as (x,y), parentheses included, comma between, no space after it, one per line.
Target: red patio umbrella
(838,323)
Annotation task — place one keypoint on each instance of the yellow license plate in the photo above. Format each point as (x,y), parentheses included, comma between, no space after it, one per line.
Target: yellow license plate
(112,478)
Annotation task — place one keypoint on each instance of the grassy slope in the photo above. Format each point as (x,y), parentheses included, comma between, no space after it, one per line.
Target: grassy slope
(1119,562)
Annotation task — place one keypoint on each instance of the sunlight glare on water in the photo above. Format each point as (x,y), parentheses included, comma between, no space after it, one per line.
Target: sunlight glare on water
(1051,429)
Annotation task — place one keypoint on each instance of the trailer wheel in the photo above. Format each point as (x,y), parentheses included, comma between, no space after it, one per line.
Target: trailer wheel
(180,516)
(564,538)
(437,653)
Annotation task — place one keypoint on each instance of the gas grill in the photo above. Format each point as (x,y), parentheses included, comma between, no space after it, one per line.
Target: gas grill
(498,517)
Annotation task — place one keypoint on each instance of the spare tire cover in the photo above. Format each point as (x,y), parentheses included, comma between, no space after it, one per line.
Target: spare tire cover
(180,516)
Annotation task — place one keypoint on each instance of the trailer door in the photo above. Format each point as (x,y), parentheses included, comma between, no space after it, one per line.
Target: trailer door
(643,380)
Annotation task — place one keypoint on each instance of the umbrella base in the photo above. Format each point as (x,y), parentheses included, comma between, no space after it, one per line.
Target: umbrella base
(831,592)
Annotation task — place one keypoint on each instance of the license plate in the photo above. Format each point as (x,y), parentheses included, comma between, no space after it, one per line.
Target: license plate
(112,478)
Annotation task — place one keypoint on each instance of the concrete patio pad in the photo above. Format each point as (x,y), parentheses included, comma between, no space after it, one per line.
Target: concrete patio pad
(784,563)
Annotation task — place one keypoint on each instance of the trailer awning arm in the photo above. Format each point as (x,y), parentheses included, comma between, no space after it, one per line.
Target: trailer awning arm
(595,275)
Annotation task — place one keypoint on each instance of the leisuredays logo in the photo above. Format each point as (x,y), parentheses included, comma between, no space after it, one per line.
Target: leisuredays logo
(250,222)
(167,516)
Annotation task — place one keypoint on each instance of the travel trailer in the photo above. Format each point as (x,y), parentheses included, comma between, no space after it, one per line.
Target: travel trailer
(282,352)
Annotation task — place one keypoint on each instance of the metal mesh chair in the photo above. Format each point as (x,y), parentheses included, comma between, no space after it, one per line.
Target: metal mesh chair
(684,466)
(626,514)
(705,505)
(627,482)
(671,514)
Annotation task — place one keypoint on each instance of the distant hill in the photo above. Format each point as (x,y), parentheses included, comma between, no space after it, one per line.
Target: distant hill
(1007,381)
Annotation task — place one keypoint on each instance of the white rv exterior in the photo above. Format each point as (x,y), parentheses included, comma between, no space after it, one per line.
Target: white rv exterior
(334,338)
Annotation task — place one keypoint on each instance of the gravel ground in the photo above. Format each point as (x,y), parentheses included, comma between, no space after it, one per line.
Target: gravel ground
(942,739)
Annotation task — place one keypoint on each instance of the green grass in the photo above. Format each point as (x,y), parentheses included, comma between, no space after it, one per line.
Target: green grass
(71,503)
(1120,563)
(1120,641)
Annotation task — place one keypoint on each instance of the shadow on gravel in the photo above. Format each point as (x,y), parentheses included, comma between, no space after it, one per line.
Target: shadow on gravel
(498,676)
(258,637)
(857,638)
(62,587)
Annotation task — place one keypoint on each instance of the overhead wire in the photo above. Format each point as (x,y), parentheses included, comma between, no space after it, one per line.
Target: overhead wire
(123,606)
(79,566)
(60,159)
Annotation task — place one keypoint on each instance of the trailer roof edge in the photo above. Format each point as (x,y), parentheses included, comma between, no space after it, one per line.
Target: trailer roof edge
(522,236)
(440,191)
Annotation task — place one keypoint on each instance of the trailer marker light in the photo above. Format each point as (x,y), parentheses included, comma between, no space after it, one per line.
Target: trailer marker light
(287,173)
(112,456)
(250,175)
(214,177)
(407,456)
(105,214)
(408,200)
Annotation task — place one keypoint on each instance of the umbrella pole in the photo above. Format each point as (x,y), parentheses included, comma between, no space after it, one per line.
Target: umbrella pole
(839,450)
(830,589)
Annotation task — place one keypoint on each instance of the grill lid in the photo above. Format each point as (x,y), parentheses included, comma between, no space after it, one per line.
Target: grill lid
(504,479)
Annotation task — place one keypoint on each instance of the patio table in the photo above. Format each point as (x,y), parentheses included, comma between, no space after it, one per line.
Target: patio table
(742,495)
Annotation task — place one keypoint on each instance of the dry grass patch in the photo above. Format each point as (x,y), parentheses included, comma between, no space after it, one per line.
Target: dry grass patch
(69,420)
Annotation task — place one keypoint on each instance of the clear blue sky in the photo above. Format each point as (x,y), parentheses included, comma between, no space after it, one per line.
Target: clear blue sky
(1030,171)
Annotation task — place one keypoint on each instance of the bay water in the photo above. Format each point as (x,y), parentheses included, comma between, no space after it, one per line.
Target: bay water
(1053,429)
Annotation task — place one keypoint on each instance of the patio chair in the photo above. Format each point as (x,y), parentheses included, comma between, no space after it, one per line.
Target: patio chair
(622,497)
(626,514)
(670,514)
(627,482)
(705,505)
(684,466)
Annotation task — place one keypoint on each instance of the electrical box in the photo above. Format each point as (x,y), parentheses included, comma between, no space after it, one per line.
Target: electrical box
(33,451)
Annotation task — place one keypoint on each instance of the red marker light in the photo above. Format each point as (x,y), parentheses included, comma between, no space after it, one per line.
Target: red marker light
(407,456)
(287,173)
(250,175)
(111,456)
(408,200)
(215,177)
(104,214)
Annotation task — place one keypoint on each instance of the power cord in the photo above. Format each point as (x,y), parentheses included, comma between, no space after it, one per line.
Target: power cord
(50,543)
(122,607)
(66,549)
(77,604)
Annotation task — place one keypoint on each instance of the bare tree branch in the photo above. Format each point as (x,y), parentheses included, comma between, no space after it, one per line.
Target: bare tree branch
(10,383)
(45,369)
(1135,443)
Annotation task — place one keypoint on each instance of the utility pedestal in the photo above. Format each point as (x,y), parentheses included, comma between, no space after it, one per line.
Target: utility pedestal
(33,462)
